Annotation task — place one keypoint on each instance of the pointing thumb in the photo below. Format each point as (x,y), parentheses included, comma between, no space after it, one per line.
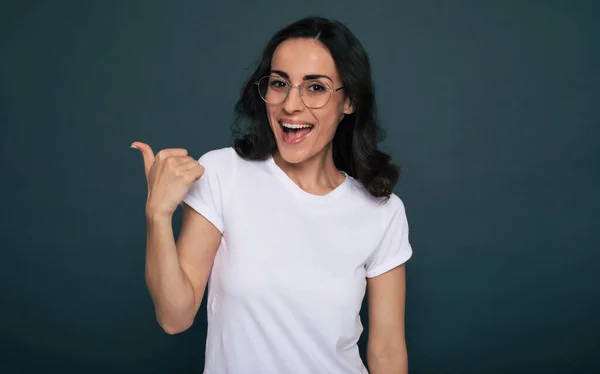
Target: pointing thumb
(147,154)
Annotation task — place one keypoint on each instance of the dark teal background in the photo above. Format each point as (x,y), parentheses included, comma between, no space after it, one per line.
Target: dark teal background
(491,108)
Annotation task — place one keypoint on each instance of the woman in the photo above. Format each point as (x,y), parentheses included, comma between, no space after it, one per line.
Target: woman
(292,223)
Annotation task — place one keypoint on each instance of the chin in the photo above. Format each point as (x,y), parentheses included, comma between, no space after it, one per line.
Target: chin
(294,154)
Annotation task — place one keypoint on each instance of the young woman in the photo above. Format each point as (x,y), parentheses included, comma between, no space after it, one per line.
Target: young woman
(291,225)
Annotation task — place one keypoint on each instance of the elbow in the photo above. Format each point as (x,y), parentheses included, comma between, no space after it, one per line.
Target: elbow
(174,317)
(173,329)
(388,359)
(176,326)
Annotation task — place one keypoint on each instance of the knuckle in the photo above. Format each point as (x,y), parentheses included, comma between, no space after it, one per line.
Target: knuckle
(170,161)
(186,178)
(162,155)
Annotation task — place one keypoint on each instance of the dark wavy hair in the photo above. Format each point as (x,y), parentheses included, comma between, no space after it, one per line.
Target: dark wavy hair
(355,142)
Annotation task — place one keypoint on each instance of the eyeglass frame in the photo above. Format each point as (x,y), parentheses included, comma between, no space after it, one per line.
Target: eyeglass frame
(290,85)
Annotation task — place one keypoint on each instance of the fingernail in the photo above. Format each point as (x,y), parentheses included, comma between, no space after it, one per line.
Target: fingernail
(134,147)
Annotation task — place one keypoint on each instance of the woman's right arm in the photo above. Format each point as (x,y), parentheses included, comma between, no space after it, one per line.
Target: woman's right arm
(177,272)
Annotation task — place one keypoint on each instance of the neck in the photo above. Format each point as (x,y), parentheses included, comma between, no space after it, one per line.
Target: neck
(316,175)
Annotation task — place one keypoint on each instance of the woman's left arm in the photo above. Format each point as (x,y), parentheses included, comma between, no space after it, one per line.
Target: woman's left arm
(386,347)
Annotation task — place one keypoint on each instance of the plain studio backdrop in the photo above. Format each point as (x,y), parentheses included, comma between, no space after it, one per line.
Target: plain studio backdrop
(490,108)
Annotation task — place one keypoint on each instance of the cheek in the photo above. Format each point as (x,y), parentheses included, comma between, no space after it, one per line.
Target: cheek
(328,120)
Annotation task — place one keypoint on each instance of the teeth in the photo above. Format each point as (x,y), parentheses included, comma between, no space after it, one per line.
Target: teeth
(295,125)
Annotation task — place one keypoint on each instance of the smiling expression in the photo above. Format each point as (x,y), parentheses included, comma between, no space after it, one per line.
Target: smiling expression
(302,132)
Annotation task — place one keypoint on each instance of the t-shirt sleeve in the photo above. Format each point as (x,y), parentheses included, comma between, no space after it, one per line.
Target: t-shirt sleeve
(209,194)
(394,248)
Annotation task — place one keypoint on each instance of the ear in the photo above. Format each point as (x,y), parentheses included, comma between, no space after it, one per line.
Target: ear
(348,106)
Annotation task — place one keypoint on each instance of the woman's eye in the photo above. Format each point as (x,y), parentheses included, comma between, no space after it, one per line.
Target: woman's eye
(276,83)
(316,87)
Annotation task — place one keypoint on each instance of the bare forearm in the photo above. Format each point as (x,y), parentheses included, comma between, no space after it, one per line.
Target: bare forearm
(171,292)
(391,362)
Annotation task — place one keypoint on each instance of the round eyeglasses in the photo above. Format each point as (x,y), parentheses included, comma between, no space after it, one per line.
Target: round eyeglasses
(313,93)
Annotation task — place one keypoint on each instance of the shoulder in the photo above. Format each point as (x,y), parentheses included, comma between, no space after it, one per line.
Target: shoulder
(227,161)
(217,158)
(392,212)
(223,162)
(394,204)
(395,213)
(220,175)
(220,167)
(385,213)
(387,207)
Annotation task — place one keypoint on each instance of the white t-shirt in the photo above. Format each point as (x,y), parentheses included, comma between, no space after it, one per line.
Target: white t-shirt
(288,280)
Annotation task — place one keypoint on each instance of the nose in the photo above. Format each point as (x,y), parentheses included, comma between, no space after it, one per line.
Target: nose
(293,102)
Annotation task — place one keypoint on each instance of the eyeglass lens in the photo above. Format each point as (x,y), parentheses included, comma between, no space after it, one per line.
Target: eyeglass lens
(274,90)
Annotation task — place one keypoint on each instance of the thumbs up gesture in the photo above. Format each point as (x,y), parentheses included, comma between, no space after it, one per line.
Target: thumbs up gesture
(169,174)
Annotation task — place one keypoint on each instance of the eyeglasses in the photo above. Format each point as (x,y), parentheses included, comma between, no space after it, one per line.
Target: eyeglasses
(313,93)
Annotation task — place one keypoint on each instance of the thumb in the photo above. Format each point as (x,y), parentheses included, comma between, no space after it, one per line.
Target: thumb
(147,154)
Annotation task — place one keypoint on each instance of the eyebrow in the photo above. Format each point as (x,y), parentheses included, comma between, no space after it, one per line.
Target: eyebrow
(306,77)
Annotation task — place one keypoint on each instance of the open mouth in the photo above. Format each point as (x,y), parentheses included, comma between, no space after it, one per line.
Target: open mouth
(294,133)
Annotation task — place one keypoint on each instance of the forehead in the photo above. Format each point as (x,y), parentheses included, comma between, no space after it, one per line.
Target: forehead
(300,57)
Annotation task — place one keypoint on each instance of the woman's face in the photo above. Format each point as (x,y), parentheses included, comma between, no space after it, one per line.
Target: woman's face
(305,60)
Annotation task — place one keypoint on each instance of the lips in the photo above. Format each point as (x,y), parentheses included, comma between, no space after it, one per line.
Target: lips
(294,132)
